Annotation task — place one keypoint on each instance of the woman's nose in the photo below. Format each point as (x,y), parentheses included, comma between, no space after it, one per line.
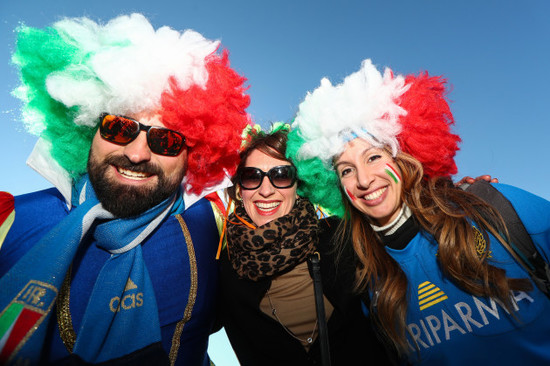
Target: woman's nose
(364,177)
(266,188)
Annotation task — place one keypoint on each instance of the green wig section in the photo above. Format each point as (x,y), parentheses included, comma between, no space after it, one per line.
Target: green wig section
(319,184)
(38,54)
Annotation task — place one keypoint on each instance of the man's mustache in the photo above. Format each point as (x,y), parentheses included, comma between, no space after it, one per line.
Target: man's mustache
(125,163)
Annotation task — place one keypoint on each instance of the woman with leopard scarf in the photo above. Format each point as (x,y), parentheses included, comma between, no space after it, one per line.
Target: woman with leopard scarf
(267,291)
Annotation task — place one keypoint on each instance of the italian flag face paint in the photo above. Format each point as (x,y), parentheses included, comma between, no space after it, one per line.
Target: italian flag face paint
(350,195)
(393,173)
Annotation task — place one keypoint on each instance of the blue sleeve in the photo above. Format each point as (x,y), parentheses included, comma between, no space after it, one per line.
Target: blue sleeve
(35,214)
(534,212)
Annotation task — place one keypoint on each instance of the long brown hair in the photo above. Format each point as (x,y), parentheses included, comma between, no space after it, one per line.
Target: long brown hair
(444,211)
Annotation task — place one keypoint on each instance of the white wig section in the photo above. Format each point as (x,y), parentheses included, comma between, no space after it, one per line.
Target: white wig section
(126,65)
(363,105)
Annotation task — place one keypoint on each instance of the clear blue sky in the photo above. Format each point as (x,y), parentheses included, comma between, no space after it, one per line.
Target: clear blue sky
(494,53)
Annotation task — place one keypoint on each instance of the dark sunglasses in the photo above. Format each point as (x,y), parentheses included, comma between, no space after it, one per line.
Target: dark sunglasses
(123,130)
(282,176)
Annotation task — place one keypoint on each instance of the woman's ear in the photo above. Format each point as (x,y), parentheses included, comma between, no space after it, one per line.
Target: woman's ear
(238,193)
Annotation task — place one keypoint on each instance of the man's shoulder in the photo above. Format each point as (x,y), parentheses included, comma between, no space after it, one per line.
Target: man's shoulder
(201,205)
(203,209)
(199,217)
(34,215)
(38,211)
(45,196)
(47,204)
(532,209)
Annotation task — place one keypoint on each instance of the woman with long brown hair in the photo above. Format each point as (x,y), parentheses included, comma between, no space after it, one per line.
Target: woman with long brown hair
(279,267)
(434,263)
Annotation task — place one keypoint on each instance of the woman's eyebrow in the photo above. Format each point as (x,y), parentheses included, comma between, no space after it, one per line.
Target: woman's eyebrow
(363,153)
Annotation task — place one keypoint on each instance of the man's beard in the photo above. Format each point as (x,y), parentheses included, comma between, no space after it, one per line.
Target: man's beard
(127,200)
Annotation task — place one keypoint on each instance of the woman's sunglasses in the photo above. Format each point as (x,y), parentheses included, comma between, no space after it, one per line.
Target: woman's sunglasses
(282,176)
(123,130)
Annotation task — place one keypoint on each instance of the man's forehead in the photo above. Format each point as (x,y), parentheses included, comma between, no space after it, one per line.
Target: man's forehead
(150,118)
(145,114)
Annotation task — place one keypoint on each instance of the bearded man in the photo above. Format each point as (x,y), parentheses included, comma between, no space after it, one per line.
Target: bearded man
(116,264)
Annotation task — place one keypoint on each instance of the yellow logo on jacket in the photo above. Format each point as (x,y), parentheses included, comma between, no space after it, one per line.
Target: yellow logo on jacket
(130,300)
(429,294)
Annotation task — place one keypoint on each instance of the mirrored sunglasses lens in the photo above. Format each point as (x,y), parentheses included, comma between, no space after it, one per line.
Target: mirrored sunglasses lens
(165,142)
(251,178)
(119,130)
(282,177)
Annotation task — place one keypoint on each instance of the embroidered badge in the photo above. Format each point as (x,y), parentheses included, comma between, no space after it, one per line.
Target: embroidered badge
(23,315)
(481,244)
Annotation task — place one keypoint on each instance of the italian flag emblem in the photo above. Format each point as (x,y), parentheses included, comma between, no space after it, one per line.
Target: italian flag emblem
(23,315)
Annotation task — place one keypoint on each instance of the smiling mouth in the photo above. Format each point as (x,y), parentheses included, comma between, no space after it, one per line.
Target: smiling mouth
(267,206)
(130,174)
(374,195)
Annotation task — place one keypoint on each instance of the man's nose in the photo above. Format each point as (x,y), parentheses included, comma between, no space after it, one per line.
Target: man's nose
(138,151)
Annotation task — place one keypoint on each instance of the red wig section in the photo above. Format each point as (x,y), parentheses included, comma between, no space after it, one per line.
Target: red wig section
(426,129)
(212,120)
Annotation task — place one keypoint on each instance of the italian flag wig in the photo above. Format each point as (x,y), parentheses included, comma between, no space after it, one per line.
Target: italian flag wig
(404,113)
(77,69)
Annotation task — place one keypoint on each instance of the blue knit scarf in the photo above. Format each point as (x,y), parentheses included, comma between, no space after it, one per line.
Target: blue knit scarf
(33,283)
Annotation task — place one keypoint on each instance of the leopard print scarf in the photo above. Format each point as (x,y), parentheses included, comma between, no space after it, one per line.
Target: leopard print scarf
(275,247)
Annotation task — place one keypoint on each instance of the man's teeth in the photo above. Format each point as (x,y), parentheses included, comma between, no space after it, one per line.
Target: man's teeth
(131,174)
(267,205)
(374,195)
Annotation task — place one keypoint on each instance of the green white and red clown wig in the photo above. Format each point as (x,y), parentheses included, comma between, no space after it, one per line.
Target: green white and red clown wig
(405,113)
(77,69)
